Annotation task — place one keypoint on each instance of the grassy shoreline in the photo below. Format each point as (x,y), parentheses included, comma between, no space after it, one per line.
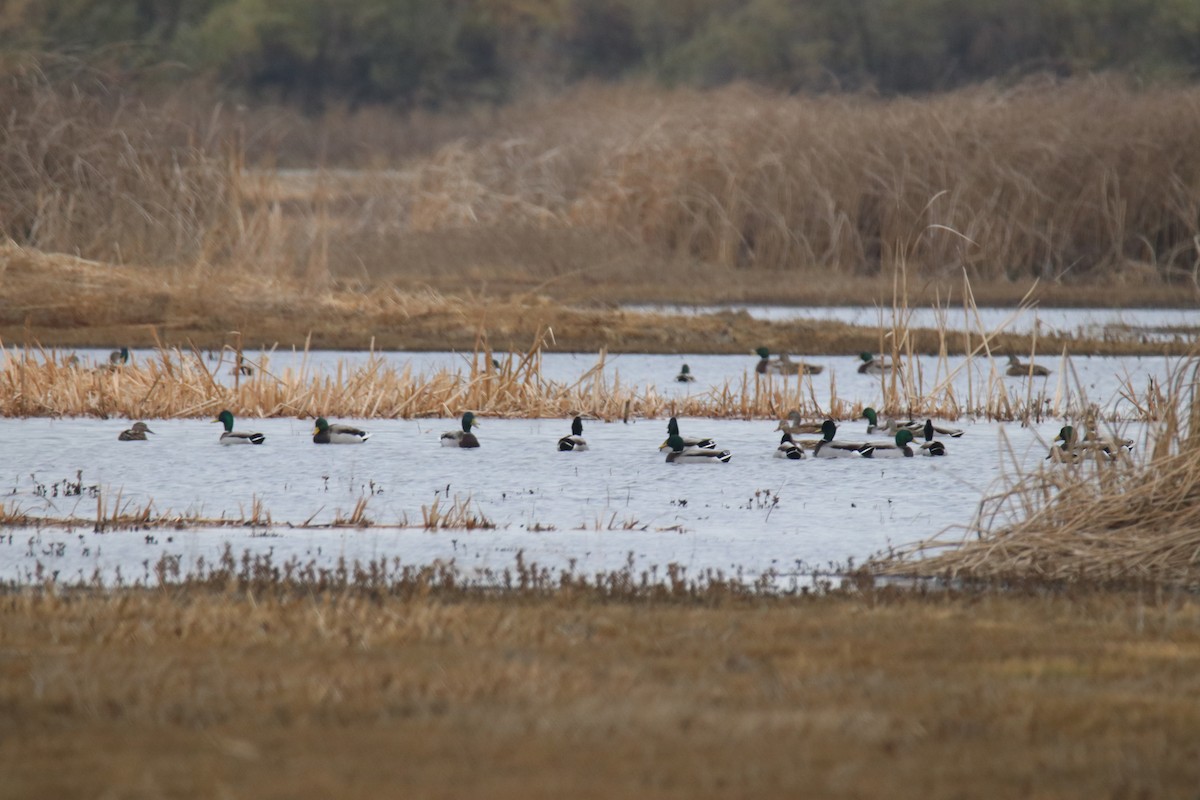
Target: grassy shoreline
(191,691)
(55,300)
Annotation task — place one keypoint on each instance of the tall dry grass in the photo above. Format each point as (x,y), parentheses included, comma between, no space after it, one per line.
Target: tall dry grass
(1126,520)
(628,186)
(177,383)
(84,170)
(1013,184)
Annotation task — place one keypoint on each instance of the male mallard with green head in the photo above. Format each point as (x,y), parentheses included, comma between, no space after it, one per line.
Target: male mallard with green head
(574,442)
(682,453)
(336,433)
(464,437)
(873,364)
(1067,447)
(688,441)
(119,358)
(897,449)
(136,433)
(685,375)
(829,447)
(230,436)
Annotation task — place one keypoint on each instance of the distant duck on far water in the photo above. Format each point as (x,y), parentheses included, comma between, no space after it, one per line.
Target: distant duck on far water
(685,375)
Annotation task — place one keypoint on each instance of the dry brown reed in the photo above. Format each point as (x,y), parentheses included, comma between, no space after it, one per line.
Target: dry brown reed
(86,171)
(1125,519)
(118,513)
(37,382)
(1013,184)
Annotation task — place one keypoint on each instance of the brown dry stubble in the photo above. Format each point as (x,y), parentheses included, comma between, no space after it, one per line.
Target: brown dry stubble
(154,694)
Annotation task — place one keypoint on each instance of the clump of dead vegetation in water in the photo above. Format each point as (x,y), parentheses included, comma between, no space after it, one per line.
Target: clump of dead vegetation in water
(1125,519)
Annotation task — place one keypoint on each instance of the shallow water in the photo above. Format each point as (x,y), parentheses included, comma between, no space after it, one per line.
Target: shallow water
(1142,324)
(595,511)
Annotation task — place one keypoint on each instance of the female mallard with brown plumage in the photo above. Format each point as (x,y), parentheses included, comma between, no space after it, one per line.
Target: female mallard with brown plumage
(135,433)
(796,424)
(1018,370)
(783,365)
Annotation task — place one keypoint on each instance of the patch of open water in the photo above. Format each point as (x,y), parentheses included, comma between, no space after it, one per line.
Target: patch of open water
(1144,324)
(596,510)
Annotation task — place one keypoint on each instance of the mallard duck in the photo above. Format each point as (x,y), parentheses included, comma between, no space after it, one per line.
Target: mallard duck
(891,426)
(324,433)
(788,448)
(873,364)
(1067,447)
(896,449)
(829,447)
(464,437)
(685,375)
(1018,370)
(681,453)
(795,424)
(783,365)
(764,364)
(241,367)
(575,440)
(688,441)
(888,426)
(930,447)
(230,436)
(136,433)
(789,367)
(119,358)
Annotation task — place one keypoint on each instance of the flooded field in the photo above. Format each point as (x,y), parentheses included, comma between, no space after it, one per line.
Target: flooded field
(615,505)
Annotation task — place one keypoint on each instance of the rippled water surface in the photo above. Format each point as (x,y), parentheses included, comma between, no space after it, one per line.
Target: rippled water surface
(595,510)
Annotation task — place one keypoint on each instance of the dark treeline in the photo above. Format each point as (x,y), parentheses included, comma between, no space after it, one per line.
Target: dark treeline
(418,53)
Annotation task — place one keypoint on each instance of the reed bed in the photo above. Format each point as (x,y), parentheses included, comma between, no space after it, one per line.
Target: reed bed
(782,196)
(1012,184)
(87,171)
(1127,520)
(39,382)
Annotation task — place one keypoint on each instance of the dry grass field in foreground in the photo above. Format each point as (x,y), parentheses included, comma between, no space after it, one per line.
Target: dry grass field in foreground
(201,692)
